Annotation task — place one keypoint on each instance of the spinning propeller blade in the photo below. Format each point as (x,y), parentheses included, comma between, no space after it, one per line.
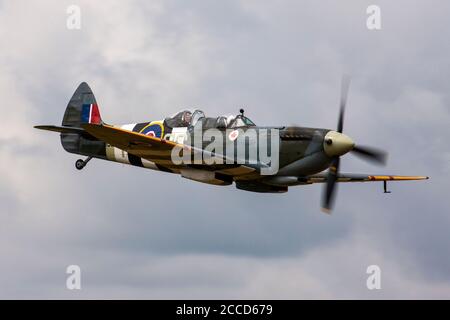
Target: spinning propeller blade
(370,154)
(367,153)
(329,192)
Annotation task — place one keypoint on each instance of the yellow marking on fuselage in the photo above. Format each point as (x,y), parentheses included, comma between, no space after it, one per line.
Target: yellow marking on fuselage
(160,123)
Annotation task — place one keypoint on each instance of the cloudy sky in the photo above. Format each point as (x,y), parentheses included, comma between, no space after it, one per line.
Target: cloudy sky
(146,234)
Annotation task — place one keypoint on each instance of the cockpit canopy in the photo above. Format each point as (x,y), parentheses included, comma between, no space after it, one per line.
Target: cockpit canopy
(188,118)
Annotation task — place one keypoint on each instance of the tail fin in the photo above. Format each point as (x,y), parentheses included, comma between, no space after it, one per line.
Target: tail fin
(82,108)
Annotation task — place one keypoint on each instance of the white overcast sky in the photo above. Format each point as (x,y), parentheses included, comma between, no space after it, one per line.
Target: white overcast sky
(146,234)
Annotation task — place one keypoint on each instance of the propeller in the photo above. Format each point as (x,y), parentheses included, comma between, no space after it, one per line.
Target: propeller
(370,154)
(345,84)
(337,144)
(329,194)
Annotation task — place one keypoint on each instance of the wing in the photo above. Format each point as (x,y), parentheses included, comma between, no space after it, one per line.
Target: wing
(147,147)
(351,177)
(155,149)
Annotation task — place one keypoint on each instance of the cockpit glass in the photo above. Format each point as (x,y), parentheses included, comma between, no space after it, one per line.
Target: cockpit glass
(189,118)
(240,121)
(180,119)
(247,121)
(197,115)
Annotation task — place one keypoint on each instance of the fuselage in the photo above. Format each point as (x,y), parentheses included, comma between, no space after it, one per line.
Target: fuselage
(300,149)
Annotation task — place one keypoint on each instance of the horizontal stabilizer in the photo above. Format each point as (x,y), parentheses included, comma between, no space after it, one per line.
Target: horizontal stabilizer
(62,129)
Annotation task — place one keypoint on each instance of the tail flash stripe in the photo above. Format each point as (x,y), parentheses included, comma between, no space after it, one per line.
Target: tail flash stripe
(95,114)
(85,113)
(90,114)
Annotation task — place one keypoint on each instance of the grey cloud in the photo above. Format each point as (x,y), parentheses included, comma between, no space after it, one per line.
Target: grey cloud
(144,234)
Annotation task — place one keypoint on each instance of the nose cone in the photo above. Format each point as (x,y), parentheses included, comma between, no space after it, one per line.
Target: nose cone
(337,144)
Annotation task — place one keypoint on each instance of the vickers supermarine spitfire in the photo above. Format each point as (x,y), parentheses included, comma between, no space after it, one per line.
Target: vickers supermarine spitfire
(303,154)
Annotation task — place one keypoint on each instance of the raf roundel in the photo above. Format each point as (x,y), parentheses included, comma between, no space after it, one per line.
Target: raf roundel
(233,135)
(153,129)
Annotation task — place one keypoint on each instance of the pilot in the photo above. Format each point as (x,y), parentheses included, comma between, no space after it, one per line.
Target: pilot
(186,119)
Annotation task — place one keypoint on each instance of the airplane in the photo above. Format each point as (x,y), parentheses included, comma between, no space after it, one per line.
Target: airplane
(303,155)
